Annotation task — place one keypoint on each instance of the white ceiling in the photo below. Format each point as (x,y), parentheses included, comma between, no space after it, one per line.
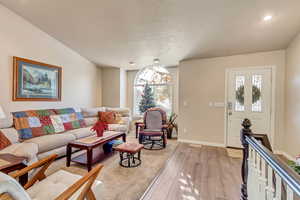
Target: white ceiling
(115,32)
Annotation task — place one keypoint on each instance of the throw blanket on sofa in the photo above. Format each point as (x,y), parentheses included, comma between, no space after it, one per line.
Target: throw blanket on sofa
(34,123)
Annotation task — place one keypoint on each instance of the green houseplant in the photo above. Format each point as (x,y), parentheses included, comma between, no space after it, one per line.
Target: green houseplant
(172,124)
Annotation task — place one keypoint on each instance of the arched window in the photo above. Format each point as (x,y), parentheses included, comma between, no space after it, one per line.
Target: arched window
(160,81)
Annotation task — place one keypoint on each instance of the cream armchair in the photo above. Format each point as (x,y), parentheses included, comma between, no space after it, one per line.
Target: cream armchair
(61,185)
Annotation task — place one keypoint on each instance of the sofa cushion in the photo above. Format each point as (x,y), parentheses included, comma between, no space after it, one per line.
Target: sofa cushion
(124,112)
(4,142)
(11,134)
(28,150)
(81,133)
(92,112)
(91,121)
(61,151)
(118,127)
(7,122)
(49,142)
(55,184)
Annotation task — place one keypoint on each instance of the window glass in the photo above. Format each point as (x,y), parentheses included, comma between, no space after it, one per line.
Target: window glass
(239,93)
(256,93)
(160,81)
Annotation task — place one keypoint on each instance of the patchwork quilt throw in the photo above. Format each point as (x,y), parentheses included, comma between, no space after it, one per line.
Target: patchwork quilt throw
(34,123)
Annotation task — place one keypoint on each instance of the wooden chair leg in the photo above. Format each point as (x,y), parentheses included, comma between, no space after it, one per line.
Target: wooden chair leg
(90,195)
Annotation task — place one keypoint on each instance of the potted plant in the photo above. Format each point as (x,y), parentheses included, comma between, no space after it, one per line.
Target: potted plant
(295,165)
(100,127)
(172,124)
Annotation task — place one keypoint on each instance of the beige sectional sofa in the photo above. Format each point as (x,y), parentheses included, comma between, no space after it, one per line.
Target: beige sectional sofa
(40,147)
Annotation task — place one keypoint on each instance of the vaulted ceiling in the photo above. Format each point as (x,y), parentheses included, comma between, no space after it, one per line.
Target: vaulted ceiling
(116,32)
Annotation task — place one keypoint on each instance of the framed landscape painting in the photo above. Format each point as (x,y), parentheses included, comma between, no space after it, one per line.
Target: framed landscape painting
(35,81)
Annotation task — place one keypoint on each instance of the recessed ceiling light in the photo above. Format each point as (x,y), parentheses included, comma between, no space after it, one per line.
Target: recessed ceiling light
(156,60)
(268,17)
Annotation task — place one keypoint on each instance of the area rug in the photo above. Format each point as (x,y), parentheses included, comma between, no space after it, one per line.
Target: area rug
(121,183)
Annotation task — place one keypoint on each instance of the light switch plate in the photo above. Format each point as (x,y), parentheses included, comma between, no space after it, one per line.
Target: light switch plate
(219,104)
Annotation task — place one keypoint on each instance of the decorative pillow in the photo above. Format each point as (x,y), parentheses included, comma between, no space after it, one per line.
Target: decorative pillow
(4,142)
(108,117)
(71,118)
(118,119)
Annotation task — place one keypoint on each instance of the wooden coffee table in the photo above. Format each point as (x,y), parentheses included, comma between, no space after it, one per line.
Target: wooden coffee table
(12,163)
(91,145)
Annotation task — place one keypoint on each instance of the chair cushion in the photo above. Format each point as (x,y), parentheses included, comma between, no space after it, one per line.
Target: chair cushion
(12,187)
(153,119)
(151,132)
(55,184)
(49,142)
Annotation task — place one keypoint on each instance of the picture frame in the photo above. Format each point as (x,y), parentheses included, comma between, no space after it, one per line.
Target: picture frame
(36,81)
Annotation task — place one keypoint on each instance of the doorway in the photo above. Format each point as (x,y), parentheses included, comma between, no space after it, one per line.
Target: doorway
(248,95)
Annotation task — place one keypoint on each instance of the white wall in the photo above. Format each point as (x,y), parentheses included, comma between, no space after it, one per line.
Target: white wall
(203,80)
(123,88)
(110,86)
(292,115)
(80,84)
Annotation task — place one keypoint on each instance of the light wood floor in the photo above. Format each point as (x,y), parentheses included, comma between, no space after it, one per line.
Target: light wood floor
(198,173)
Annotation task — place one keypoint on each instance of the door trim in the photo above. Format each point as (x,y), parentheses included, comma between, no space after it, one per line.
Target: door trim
(273,100)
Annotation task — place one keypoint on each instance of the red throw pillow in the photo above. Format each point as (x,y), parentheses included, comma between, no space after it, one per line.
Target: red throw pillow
(108,117)
(4,142)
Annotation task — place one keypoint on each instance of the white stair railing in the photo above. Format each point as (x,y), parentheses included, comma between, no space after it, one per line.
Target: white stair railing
(265,177)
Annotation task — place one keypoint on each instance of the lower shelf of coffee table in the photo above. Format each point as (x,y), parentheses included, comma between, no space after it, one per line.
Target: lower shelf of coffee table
(98,156)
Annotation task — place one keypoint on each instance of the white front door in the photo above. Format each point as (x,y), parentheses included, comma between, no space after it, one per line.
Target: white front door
(248,96)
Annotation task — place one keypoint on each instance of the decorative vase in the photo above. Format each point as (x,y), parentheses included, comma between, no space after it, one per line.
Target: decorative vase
(100,133)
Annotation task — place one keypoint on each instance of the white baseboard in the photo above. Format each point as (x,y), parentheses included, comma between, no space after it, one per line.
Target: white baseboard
(202,143)
(285,155)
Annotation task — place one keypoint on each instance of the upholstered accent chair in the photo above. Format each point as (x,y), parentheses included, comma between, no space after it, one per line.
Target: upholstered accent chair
(153,131)
(61,185)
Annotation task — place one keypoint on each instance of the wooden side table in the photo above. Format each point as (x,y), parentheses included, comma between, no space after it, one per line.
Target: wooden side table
(13,163)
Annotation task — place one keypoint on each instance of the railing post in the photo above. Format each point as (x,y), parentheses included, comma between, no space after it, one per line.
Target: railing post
(246,131)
